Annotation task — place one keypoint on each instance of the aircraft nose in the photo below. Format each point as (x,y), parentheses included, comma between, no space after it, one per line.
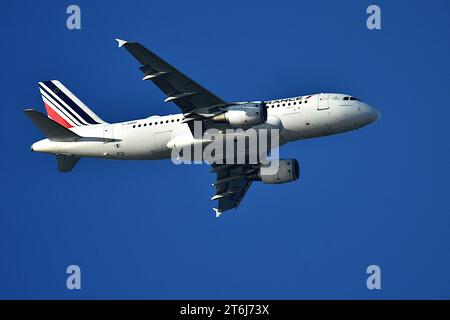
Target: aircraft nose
(371,114)
(374,114)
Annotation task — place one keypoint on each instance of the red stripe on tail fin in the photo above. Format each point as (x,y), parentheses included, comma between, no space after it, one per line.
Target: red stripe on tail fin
(56,117)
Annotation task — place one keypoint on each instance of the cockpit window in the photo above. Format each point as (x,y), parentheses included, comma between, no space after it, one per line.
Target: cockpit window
(351,98)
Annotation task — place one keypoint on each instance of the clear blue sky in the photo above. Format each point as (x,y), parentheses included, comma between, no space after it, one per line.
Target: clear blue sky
(379,195)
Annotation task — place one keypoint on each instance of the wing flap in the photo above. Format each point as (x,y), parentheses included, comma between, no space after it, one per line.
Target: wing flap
(231,186)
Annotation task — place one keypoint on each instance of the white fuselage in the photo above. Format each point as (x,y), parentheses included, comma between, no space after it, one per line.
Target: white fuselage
(154,137)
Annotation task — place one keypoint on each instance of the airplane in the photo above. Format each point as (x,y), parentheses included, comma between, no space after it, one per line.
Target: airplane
(74,131)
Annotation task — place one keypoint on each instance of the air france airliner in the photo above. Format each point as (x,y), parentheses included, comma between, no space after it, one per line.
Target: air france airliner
(74,131)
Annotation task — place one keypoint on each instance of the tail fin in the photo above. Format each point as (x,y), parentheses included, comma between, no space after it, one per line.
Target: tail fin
(53,130)
(64,107)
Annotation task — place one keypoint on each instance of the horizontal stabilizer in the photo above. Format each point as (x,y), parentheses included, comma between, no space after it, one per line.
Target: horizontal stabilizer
(66,163)
(53,130)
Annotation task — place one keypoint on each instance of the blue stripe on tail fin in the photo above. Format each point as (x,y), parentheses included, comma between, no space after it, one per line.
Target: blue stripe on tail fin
(65,106)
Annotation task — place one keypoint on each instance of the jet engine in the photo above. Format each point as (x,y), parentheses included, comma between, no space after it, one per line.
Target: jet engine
(243,115)
(280,171)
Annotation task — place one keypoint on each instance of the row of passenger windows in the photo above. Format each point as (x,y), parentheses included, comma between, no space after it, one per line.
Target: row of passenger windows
(156,123)
(178,120)
(287,104)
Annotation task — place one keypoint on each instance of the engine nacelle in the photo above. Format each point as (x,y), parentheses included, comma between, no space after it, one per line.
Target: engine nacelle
(243,115)
(287,171)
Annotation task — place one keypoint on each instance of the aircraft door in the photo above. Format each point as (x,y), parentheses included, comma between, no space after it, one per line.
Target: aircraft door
(323,101)
(113,148)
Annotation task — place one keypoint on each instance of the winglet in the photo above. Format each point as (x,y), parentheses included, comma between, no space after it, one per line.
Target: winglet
(218,212)
(121,42)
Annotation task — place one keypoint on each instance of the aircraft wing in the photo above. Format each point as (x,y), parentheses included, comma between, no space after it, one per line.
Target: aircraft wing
(231,185)
(188,95)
